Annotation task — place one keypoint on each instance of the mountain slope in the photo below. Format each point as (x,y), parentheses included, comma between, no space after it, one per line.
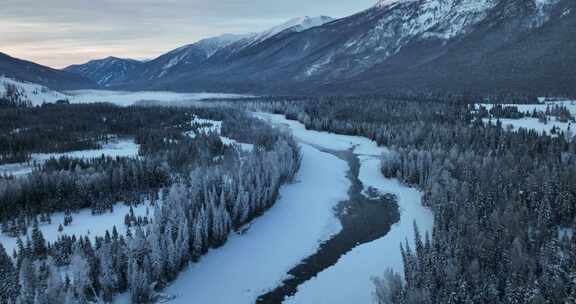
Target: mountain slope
(31,72)
(25,91)
(184,58)
(190,59)
(516,49)
(107,71)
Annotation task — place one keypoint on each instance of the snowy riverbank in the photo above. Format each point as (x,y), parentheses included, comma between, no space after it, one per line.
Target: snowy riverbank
(349,280)
(257,260)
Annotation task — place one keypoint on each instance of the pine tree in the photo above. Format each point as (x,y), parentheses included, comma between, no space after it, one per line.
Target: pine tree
(108,277)
(55,291)
(27,282)
(38,242)
(388,289)
(140,289)
(8,277)
(80,270)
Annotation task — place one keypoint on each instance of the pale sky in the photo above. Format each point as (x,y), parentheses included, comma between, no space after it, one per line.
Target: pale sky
(58,33)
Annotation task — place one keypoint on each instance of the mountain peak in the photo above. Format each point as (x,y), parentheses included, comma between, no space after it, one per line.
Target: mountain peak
(386,3)
(303,23)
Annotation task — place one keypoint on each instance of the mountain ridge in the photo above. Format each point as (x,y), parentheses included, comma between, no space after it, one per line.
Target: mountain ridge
(185,58)
(31,72)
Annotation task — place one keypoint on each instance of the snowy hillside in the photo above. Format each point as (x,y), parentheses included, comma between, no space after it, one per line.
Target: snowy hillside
(209,45)
(187,56)
(297,24)
(34,93)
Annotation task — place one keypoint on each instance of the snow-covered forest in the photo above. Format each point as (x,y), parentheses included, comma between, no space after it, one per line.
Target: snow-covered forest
(151,204)
(197,190)
(503,200)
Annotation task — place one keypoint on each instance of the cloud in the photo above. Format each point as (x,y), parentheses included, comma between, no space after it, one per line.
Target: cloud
(63,32)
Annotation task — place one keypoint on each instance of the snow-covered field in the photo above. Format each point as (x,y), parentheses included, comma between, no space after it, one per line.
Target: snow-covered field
(569,104)
(534,124)
(83,224)
(120,148)
(250,264)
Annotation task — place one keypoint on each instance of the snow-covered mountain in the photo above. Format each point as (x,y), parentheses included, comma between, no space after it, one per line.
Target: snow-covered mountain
(395,46)
(404,45)
(297,25)
(184,58)
(31,72)
(107,71)
(118,72)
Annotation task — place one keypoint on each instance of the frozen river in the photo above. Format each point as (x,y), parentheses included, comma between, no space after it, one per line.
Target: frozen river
(258,260)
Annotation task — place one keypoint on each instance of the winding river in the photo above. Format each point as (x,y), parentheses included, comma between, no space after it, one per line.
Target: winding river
(337,226)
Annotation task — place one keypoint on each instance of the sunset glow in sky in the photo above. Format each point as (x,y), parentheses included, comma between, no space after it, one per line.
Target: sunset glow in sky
(58,33)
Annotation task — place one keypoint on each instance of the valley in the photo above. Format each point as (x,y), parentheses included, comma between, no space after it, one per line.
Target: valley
(226,152)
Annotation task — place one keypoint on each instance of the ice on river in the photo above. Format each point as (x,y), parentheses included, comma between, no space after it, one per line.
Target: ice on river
(349,280)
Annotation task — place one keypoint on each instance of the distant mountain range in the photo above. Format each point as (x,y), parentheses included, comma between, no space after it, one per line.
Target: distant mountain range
(397,46)
(115,72)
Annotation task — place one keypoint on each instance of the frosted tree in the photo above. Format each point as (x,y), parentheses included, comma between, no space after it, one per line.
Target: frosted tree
(108,276)
(158,253)
(388,289)
(8,276)
(198,239)
(38,241)
(183,242)
(140,289)
(55,289)
(27,282)
(80,273)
